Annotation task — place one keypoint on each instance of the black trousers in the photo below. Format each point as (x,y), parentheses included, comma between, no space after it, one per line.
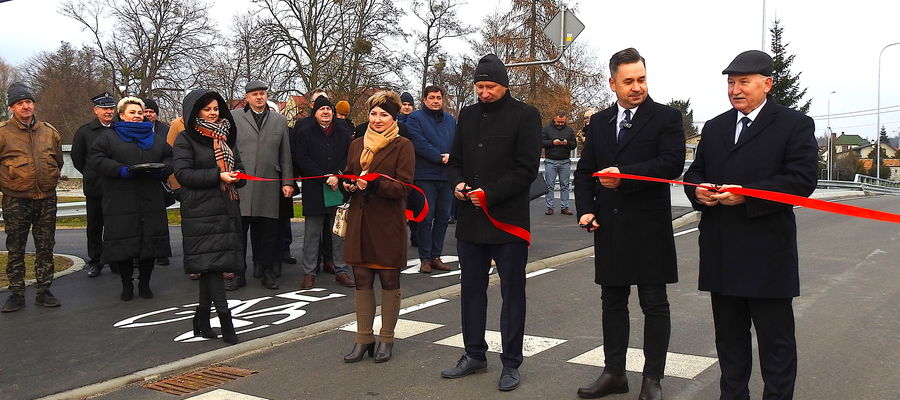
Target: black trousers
(774,323)
(475,263)
(657,328)
(285,212)
(94,230)
(263,240)
(212,291)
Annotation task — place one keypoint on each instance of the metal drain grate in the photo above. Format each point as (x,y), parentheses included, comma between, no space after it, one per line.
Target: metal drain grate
(199,380)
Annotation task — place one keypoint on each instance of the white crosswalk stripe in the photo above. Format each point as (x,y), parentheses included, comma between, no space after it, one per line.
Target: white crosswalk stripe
(679,365)
(222,394)
(531,344)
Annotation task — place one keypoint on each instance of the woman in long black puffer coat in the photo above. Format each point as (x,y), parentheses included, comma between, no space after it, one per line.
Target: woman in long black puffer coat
(206,165)
(134,209)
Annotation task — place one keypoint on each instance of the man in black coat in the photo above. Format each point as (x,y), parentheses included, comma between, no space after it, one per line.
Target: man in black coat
(105,110)
(631,220)
(496,151)
(748,246)
(319,149)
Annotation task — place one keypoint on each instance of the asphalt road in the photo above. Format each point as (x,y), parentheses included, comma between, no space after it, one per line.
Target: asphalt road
(848,330)
(95,337)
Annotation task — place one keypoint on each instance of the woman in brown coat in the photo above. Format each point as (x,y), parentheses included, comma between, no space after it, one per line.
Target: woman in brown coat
(376,223)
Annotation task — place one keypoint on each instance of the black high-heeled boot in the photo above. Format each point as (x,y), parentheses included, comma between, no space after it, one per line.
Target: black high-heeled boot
(127,286)
(359,352)
(144,281)
(201,324)
(228,334)
(383,351)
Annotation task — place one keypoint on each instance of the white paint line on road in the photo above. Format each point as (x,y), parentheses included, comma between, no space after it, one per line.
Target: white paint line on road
(424,305)
(685,232)
(678,365)
(405,328)
(539,272)
(451,273)
(222,394)
(531,345)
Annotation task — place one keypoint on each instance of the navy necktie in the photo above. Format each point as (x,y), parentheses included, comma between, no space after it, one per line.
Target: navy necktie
(745,122)
(625,124)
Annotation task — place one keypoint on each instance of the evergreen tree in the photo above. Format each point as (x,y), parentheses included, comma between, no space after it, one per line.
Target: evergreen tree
(786,86)
(687,115)
(882,137)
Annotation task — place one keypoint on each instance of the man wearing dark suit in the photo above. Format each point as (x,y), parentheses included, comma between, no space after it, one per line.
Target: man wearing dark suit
(496,151)
(748,246)
(105,110)
(631,220)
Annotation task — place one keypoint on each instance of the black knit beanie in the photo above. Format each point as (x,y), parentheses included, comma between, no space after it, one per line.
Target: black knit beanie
(18,92)
(320,102)
(151,104)
(490,68)
(405,97)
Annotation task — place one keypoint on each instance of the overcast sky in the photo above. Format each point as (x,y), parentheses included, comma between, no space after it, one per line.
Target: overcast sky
(686,44)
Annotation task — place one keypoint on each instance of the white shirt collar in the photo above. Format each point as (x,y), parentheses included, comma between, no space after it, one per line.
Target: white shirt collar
(753,114)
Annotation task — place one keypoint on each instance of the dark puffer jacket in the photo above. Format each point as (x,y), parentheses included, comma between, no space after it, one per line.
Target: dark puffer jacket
(134,209)
(210,221)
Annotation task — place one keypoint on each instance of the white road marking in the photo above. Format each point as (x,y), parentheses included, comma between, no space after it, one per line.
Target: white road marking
(678,365)
(539,272)
(222,394)
(451,273)
(424,305)
(531,345)
(685,232)
(405,328)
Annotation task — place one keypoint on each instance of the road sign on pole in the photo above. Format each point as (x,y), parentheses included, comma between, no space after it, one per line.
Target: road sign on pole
(562,30)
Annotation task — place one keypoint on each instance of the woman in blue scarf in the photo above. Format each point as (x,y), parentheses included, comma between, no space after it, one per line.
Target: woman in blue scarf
(134,209)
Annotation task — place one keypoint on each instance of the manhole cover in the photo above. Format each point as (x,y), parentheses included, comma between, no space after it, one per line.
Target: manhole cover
(199,380)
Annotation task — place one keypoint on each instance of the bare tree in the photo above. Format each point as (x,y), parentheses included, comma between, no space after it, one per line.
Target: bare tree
(8,75)
(439,22)
(63,81)
(153,48)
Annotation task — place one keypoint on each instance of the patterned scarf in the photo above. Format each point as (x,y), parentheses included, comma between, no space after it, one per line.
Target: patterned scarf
(373,142)
(218,131)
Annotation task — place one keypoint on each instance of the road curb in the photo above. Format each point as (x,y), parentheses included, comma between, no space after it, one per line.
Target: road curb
(77,265)
(264,343)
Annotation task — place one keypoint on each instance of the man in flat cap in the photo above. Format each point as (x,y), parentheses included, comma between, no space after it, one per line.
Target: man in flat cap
(631,221)
(104,110)
(32,157)
(748,246)
(495,153)
(262,140)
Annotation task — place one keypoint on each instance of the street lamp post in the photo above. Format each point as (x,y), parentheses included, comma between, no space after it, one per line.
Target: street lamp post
(878,116)
(829,134)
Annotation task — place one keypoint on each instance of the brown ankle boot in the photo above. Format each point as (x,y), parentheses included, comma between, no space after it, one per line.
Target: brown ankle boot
(425,268)
(439,265)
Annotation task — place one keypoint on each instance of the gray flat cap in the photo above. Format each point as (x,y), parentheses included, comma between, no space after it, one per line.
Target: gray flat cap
(255,85)
(750,62)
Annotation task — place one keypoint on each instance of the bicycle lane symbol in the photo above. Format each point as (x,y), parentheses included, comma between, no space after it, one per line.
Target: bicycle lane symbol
(243,313)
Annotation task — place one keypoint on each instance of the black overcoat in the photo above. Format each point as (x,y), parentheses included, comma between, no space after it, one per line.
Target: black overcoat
(634,244)
(210,220)
(497,148)
(317,154)
(134,209)
(81,146)
(750,249)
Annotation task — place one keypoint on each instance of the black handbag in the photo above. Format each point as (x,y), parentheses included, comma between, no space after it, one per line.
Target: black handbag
(538,187)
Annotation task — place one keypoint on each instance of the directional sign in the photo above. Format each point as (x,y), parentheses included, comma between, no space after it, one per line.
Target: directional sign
(564,28)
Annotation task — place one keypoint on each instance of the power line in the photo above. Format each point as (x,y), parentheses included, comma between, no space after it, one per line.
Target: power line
(872,111)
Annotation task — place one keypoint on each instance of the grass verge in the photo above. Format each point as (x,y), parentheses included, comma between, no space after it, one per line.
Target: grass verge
(59,264)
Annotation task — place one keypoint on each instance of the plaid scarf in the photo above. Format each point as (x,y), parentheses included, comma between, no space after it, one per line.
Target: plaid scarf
(218,131)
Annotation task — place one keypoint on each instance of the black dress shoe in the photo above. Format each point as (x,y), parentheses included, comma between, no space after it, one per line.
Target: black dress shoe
(162,261)
(509,379)
(94,269)
(289,259)
(606,384)
(383,352)
(465,366)
(359,352)
(650,390)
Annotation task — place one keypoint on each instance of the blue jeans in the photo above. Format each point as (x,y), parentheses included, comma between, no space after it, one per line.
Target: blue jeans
(552,169)
(431,231)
